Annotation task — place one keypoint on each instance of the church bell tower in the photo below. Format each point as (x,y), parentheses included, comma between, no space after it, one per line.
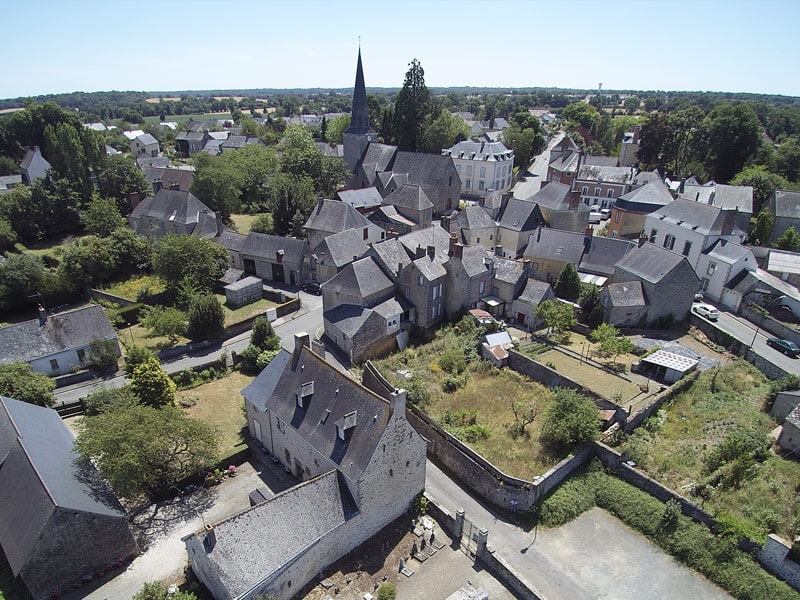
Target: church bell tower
(357,137)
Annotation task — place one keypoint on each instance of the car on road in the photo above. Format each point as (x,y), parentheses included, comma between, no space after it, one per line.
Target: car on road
(605,214)
(312,287)
(595,218)
(788,347)
(707,311)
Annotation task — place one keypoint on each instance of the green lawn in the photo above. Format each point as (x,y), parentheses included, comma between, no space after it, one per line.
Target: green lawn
(184,118)
(672,445)
(48,248)
(237,315)
(131,288)
(242,223)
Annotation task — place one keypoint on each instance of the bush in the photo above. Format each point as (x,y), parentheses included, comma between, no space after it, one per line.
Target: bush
(387,591)
(265,357)
(570,420)
(567,502)
(748,444)
(473,433)
(109,399)
(451,384)
(206,318)
(452,360)
(418,393)
(136,355)
(248,359)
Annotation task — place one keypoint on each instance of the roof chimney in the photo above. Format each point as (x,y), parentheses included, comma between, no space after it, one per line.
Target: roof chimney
(157,186)
(498,250)
(642,238)
(397,400)
(301,339)
(444,222)
(220,225)
(420,252)
(431,252)
(42,315)
(135,198)
(457,251)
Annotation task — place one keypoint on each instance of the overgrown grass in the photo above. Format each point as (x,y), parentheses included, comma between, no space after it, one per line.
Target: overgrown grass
(50,247)
(716,557)
(242,223)
(481,402)
(672,447)
(220,404)
(136,287)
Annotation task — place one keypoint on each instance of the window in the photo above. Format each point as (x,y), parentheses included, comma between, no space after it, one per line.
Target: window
(458,169)
(469,170)
(597,191)
(478,241)
(481,287)
(81,355)
(450,180)
(480,185)
(408,291)
(711,268)
(669,242)
(585,190)
(483,171)
(614,234)
(534,266)
(441,287)
(610,193)
(420,280)
(687,247)
(366,233)
(703,284)
(435,292)
(281,425)
(54,364)
(653,234)
(616,216)
(469,184)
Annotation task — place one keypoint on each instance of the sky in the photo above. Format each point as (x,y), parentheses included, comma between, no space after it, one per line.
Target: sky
(101,45)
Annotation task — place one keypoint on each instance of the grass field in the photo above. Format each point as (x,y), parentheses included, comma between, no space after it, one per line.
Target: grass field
(220,404)
(244,312)
(131,288)
(672,446)
(242,223)
(182,118)
(50,247)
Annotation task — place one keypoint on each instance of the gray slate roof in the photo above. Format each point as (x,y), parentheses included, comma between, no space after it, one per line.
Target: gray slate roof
(175,206)
(28,340)
(629,293)
(727,197)
(335,395)
(430,236)
(267,246)
(409,196)
(606,174)
(424,169)
(361,278)
(521,215)
(535,292)
(650,262)
(487,151)
(366,198)
(554,196)
(646,198)
(507,270)
(391,255)
(474,259)
(334,216)
(341,248)
(553,244)
(230,239)
(603,253)
(376,159)
(472,217)
(147,139)
(730,252)
(350,319)
(703,218)
(787,204)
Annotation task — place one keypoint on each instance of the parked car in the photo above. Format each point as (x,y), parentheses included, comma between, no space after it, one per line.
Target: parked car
(707,311)
(594,218)
(605,214)
(788,347)
(312,287)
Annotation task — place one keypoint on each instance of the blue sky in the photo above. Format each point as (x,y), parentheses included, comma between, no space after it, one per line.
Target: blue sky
(93,45)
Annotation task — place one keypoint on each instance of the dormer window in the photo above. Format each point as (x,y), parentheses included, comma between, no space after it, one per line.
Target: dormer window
(304,394)
(345,426)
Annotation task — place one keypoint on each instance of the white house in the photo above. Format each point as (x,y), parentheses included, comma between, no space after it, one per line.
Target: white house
(482,166)
(721,262)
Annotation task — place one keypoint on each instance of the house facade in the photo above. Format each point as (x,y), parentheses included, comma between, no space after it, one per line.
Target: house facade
(720,263)
(144,145)
(33,166)
(518,221)
(602,185)
(472,226)
(56,344)
(784,206)
(275,258)
(483,166)
(174,211)
(360,462)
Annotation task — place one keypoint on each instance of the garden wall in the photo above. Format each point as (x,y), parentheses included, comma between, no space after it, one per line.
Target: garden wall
(101,295)
(774,556)
(657,400)
(769,324)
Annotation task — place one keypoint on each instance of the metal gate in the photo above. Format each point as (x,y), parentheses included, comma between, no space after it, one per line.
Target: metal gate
(469,538)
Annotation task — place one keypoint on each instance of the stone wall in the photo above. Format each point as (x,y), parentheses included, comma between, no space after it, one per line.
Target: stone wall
(774,557)
(101,295)
(659,399)
(505,573)
(768,324)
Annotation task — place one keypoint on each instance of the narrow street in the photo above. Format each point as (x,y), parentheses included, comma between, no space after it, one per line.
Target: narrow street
(528,185)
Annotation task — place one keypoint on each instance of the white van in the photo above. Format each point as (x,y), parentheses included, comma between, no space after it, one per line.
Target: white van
(594,218)
(605,213)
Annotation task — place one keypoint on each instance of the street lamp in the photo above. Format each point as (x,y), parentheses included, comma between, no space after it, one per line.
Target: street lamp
(764,316)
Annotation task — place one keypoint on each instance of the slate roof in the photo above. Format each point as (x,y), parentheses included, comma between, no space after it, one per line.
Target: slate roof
(335,395)
(361,278)
(727,197)
(645,177)
(554,196)
(430,268)
(391,255)
(507,270)
(175,206)
(474,260)
(787,204)
(650,262)
(424,169)
(340,249)
(606,174)
(366,198)
(703,218)
(422,238)
(521,215)
(486,151)
(147,139)
(602,254)
(169,177)
(195,136)
(37,454)
(600,161)
(230,239)
(350,318)
(628,293)
(566,163)
(30,154)
(730,252)
(267,246)
(8,182)
(377,159)
(334,216)
(152,161)
(388,214)
(535,291)
(254,543)
(645,199)
(472,217)
(409,196)
(553,244)
(74,329)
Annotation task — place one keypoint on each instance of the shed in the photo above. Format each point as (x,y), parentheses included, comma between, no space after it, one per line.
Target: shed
(244,291)
(668,367)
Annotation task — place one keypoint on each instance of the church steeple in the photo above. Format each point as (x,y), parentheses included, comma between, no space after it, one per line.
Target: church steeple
(357,137)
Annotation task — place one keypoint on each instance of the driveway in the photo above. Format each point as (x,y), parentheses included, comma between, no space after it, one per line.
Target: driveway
(528,185)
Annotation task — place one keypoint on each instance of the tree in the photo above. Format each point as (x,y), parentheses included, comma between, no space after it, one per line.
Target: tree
(19,381)
(524,414)
(136,355)
(103,354)
(263,223)
(143,449)
(206,318)
(570,420)
(156,590)
(263,336)
(444,131)
(336,128)
(118,178)
(524,136)
(568,284)
(763,183)
(609,341)
(387,591)
(557,316)
(8,237)
(102,216)
(291,195)
(219,186)
(591,306)
(631,104)
(410,108)
(166,321)
(732,134)
(152,385)
(790,240)
(581,113)
(110,399)
(762,230)
(176,257)
(22,276)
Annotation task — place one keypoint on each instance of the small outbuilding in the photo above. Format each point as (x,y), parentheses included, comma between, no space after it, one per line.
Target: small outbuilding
(244,291)
(667,367)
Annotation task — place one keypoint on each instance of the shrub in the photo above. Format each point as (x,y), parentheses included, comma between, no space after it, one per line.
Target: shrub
(387,591)
(206,318)
(451,384)
(109,399)
(567,502)
(749,444)
(136,355)
(474,433)
(452,360)
(265,357)
(248,359)
(418,393)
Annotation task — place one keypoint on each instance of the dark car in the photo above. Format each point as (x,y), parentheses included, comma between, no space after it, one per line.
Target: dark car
(788,347)
(312,287)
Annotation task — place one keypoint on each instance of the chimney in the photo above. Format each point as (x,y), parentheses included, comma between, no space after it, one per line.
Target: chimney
(301,339)
(544,183)
(453,242)
(420,252)
(642,238)
(498,250)
(457,251)
(211,537)
(397,400)
(174,185)
(431,252)
(157,186)
(729,219)
(218,216)
(42,315)
(445,223)
(587,239)
(134,198)
(489,264)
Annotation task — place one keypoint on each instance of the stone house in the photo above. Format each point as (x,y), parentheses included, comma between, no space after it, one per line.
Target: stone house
(549,250)
(33,166)
(360,462)
(413,203)
(145,145)
(560,208)
(58,519)
(483,166)
(472,226)
(335,252)
(563,162)
(510,278)
(518,221)
(174,211)
(189,143)
(422,284)
(667,281)
(275,258)
(470,271)
(523,307)
(629,210)
(738,198)
(59,343)
(391,256)
(629,147)
(624,304)
(334,216)
(789,438)
(785,208)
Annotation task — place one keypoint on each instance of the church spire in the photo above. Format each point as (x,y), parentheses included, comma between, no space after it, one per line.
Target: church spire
(359,117)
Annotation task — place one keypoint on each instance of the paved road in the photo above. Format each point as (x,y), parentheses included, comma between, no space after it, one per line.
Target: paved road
(595,556)
(530,184)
